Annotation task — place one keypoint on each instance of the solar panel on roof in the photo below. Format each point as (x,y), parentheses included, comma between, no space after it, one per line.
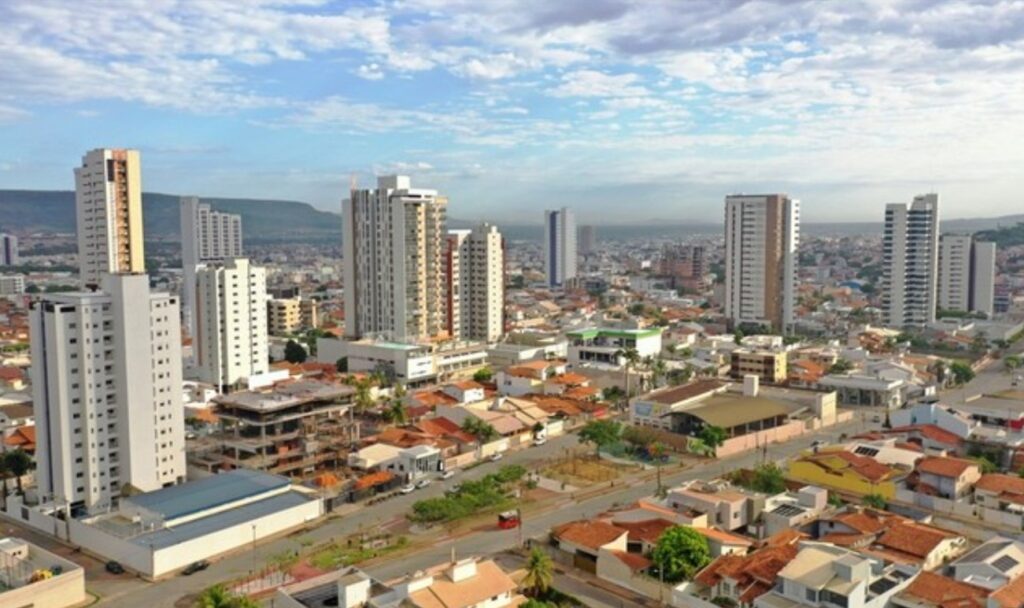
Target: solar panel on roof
(864,450)
(787,510)
(882,585)
(1005,563)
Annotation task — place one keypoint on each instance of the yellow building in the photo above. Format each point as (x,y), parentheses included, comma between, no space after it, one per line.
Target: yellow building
(769,366)
(846,472)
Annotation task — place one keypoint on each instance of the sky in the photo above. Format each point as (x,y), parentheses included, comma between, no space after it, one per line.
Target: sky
(627,111)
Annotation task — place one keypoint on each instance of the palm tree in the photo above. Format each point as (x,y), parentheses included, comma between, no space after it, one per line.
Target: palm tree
(539,572)
(364,400)
(19,463)
(397,413)
(659,369)
(632,358)
(216,597)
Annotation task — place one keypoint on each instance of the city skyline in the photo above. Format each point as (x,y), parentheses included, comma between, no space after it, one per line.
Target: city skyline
(846,107)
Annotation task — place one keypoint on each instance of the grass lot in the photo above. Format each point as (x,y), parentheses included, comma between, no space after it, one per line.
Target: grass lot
(488,495)
(332,556)
(585,470)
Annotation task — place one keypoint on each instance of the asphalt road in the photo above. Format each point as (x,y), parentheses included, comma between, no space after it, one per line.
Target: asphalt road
(128,592)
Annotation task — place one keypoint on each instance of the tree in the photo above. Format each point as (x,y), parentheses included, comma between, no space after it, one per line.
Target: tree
(341,365)
(768,478)
(219,596)
(658,369)
(540,572)
(638,436)
(294,353)
(713,436)
(18,463)
(680,553)
(483,431)
(677,377)
(962,373)
(841,366)
(484,374)
(1013,362)
(397,412)
(363,398)
(631,357)
(876,501)
(986,465)
(600,433)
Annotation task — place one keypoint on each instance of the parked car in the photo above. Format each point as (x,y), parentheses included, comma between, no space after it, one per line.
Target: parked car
(408,489)
(540,441)
(423,483)
(114,567)
(495,457)
(454,489)
(196,567)
(447,474)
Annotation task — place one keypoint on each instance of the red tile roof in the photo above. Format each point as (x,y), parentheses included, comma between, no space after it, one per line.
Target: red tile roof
(635,561)
(943,592)
(590,534)
(754,573)
(1010,595)
(944,466)
(913,539)
(648,531)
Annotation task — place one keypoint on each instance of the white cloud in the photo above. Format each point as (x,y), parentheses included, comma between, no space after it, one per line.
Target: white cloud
(591,83)
(370,71)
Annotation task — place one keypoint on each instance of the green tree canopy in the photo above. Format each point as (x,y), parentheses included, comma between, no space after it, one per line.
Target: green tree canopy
(294,352)
(680,553)
(484,374)
(600,433)
(540,572)
(713,436)
(768,478)
(962,373)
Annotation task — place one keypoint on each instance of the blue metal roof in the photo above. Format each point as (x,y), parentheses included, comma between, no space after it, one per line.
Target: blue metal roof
(203,494)
(198,528)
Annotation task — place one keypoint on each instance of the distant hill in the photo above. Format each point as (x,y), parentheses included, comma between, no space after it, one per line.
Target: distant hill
(1005,236)
(54,211)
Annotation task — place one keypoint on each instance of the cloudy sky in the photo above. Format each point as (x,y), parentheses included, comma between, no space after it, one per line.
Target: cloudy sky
(625,110)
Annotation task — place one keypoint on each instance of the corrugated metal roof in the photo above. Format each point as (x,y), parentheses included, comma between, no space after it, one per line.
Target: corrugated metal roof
(203,494)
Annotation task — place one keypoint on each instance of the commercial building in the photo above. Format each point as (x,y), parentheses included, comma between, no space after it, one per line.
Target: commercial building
(684,264)
(769,366)
(762,233)
(410,364)
(9,250)
(231,323)
(108,206)
(910,260)
(12,284)
(967,272)
(603,346)
(475,283)
(393,242)
(559,246)
(33,577)
(206,236)
(286,316)
(106,381)
(292,428)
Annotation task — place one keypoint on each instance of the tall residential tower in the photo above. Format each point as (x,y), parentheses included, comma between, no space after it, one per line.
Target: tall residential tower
(762,233)
(393,243)
(559,246)
(910,260)
(967,274)
(475,277)
(206,236)
(108,204)
(8,250)
(106,384)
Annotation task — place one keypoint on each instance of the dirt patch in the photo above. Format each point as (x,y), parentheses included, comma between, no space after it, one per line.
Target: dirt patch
(586,470)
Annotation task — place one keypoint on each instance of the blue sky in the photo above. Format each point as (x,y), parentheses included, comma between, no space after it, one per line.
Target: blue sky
(625,110)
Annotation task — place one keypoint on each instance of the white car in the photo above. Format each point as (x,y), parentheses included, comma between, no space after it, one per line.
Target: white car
(495,457)
(540,441)
(422,483)
(408,489)
(447,474)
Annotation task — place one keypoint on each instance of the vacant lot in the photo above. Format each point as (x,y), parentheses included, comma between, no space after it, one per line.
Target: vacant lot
(585,470)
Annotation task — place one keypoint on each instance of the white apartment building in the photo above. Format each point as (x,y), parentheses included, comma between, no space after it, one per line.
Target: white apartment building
(12,284)
(106,381)
(206,236)
(910,260)
(762,233)
(475,278)
(8,250)
(559,246)
(967,274)
(231,322)
(108,206)
(393,242)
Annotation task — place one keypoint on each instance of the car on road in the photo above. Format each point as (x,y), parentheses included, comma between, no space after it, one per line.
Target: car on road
(454,489)
(495,457)
(447,474)
(196,567)
(114,567)
(540,441)
(422,483)
(408,489)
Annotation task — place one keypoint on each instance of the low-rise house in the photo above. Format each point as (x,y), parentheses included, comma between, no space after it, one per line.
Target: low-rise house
(528,377)
(1000,492)
(768,365)
(583,540)
(791,510)
(847,472)
(603,346)
(993,564)
(825,575)
(727,508)
(854,389)
(931,590)
(891,537)
(467,583)
(739,578)
(950,478)
(936,414)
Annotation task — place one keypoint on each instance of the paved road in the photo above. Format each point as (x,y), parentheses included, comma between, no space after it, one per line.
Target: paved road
(126,592)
